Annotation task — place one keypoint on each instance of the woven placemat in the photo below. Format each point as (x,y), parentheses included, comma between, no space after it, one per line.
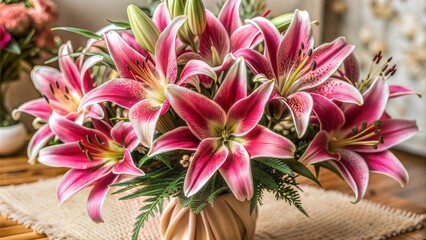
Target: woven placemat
(332,216)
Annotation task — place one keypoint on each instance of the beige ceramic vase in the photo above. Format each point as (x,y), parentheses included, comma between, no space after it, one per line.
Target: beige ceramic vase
(227,219)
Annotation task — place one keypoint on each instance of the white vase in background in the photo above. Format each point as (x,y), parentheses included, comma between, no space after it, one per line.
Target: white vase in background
(12,139)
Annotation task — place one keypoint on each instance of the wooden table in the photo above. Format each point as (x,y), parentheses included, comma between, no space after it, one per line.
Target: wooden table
(383,190)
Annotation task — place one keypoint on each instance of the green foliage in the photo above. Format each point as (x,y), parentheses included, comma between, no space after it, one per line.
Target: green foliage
(80,31)
(156,187)
(270,177)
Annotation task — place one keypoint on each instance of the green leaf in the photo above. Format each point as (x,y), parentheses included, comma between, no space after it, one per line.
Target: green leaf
(124,25)
(331,168)
(80,31)
(13,47)
(215,194)
(276,164)
(302,170)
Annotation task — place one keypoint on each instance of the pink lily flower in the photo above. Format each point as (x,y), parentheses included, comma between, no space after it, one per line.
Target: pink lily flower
(222,36)
(223,132)
(97,157)
(298,69)
(144,79)
(355,139)
(62,92)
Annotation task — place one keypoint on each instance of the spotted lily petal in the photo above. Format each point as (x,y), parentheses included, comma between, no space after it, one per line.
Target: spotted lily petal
(68,67)
(124,92)
(329,114)
(339,90)
(97,196)
(209,157)
(386,163)
(262,142)
(180,138)
(236,171)
(354,170)
(328,57)
(300,105)
(352,68)
(202,115)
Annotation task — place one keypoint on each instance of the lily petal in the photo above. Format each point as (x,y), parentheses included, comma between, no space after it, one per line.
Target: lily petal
(339,90)
(76,179)
(161,16)
(97,196)
(256,61)
(67,155)
(399,91)
(195,68)
(355,171)
(38,141)
(298,33)
(271,37)
(87,82)
(317,150)
(127,166)
(69,131)
(329,114)
(44,78)
(328,58)
(214,41)
(229,15)
(95,112)
(300,105)
(388,164)
(352,68)
(233,87)
(123,134)
(165,49)
(393,131)
(144,116)
(236,171)
(262,142)
(179,138)
(209,157)
(126,59)
(67,66)
(124,92)
(102,126)
(375,99)
(247,36)
(202,115)
(38,108)
(245,114)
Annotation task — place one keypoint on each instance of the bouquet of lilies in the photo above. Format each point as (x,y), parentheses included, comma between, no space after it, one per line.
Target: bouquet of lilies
(194,105)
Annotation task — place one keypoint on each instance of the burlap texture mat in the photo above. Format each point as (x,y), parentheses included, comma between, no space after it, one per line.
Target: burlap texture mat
(332,216)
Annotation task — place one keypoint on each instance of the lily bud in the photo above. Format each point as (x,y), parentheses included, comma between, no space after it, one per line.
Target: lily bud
(282,22)
(175,7)
(144,29)
(196,13)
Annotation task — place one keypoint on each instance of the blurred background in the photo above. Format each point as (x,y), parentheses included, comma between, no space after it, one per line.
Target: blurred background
(395,27)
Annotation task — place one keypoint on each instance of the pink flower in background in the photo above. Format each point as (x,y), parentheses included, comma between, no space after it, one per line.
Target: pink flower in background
(298,69)
(43,13)
(355,139)
(144,79)
(15,18)
(98,157)
(5,37)
(62,92)
(224,133)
